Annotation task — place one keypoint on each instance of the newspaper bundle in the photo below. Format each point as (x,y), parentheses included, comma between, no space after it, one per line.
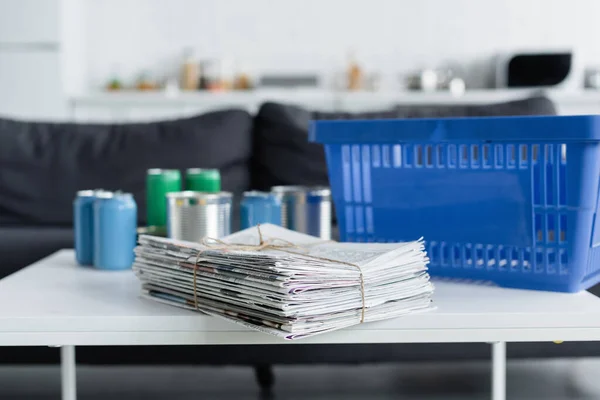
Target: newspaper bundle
(286,283)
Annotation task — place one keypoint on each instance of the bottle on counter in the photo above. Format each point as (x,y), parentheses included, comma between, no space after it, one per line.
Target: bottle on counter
(243,78)
(190,71)
(115,82)
(355,74)
(145,82)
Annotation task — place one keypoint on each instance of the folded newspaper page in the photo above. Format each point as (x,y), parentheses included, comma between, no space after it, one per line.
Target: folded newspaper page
(286,283)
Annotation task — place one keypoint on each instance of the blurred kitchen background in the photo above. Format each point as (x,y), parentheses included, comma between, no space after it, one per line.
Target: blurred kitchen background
(125,60)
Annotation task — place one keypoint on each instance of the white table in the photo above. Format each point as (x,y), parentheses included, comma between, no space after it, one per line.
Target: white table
(56,303)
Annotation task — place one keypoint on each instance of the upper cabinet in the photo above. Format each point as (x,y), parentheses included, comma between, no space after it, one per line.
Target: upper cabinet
(24,22)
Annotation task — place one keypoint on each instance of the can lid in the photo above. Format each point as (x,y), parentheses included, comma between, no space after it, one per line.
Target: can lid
(257,194)
(323,191)
(193,194)
(160,171)
(105,195)
(208,196)
(122,195)
(86,193)
(207,171)
(320,191)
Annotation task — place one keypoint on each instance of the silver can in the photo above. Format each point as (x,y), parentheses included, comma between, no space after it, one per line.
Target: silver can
(192,216)
(306,209)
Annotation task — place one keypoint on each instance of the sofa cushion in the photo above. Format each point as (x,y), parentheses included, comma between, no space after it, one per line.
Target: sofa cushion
(21,246)
(283,156)
(42,165)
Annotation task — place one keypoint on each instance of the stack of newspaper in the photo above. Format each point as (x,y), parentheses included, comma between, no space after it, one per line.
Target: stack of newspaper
(286,283)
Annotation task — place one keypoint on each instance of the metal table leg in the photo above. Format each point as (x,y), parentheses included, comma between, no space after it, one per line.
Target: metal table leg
(67,370)
(499,371)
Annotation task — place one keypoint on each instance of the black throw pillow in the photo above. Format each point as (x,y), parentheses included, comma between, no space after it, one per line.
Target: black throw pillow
(42,165)
(283,155)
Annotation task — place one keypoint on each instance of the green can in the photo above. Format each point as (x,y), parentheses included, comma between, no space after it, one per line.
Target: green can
(203,180)
(159,182)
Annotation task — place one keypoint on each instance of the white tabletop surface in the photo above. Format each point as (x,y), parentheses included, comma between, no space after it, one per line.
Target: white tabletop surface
(56,302)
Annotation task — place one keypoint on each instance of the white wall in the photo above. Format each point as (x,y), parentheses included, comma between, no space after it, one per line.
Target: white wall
(391,36)
(74,49)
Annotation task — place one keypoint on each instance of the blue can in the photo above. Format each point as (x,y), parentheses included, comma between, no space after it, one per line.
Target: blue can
(115,224)
(83,225)
(260,208)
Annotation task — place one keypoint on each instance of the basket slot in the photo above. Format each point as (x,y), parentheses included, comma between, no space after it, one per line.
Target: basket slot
(366,174)
(551,235)
(502,256)
(549,189)
(456,256)
(467,255)
(418,155)
(535,153)
(397,156)
(562,238)
(452,156)
(539,236)
(429,156)
(490,257)
(369,220)
(440,156)
(537,186)
(408,155)
(539,260)
(349,219)
(359,220)
(549,178)
(480,261)
(561,173)
(551,261)
(564,261)
(464,155)
(523,156)
(385,156)
(346,173)
(525,259)
(444,254)
(474,156)
(511,156)
(432,252)
(515,260)
(486,156)
(499,158)
(356,175)
(376,156)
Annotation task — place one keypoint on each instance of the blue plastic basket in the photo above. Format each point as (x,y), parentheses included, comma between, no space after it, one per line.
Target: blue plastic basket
(511,200)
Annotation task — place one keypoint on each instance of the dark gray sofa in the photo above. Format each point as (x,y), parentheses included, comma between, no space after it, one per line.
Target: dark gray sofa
(42,165)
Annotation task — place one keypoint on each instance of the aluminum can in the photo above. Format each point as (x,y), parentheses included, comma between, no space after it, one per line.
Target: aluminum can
(306,209)
(83,225)
(203,180)
(115,223)
(259,208)
(192,216)
(159,182)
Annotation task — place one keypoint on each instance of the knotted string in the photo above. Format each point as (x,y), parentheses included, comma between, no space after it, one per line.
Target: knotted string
(272,244)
